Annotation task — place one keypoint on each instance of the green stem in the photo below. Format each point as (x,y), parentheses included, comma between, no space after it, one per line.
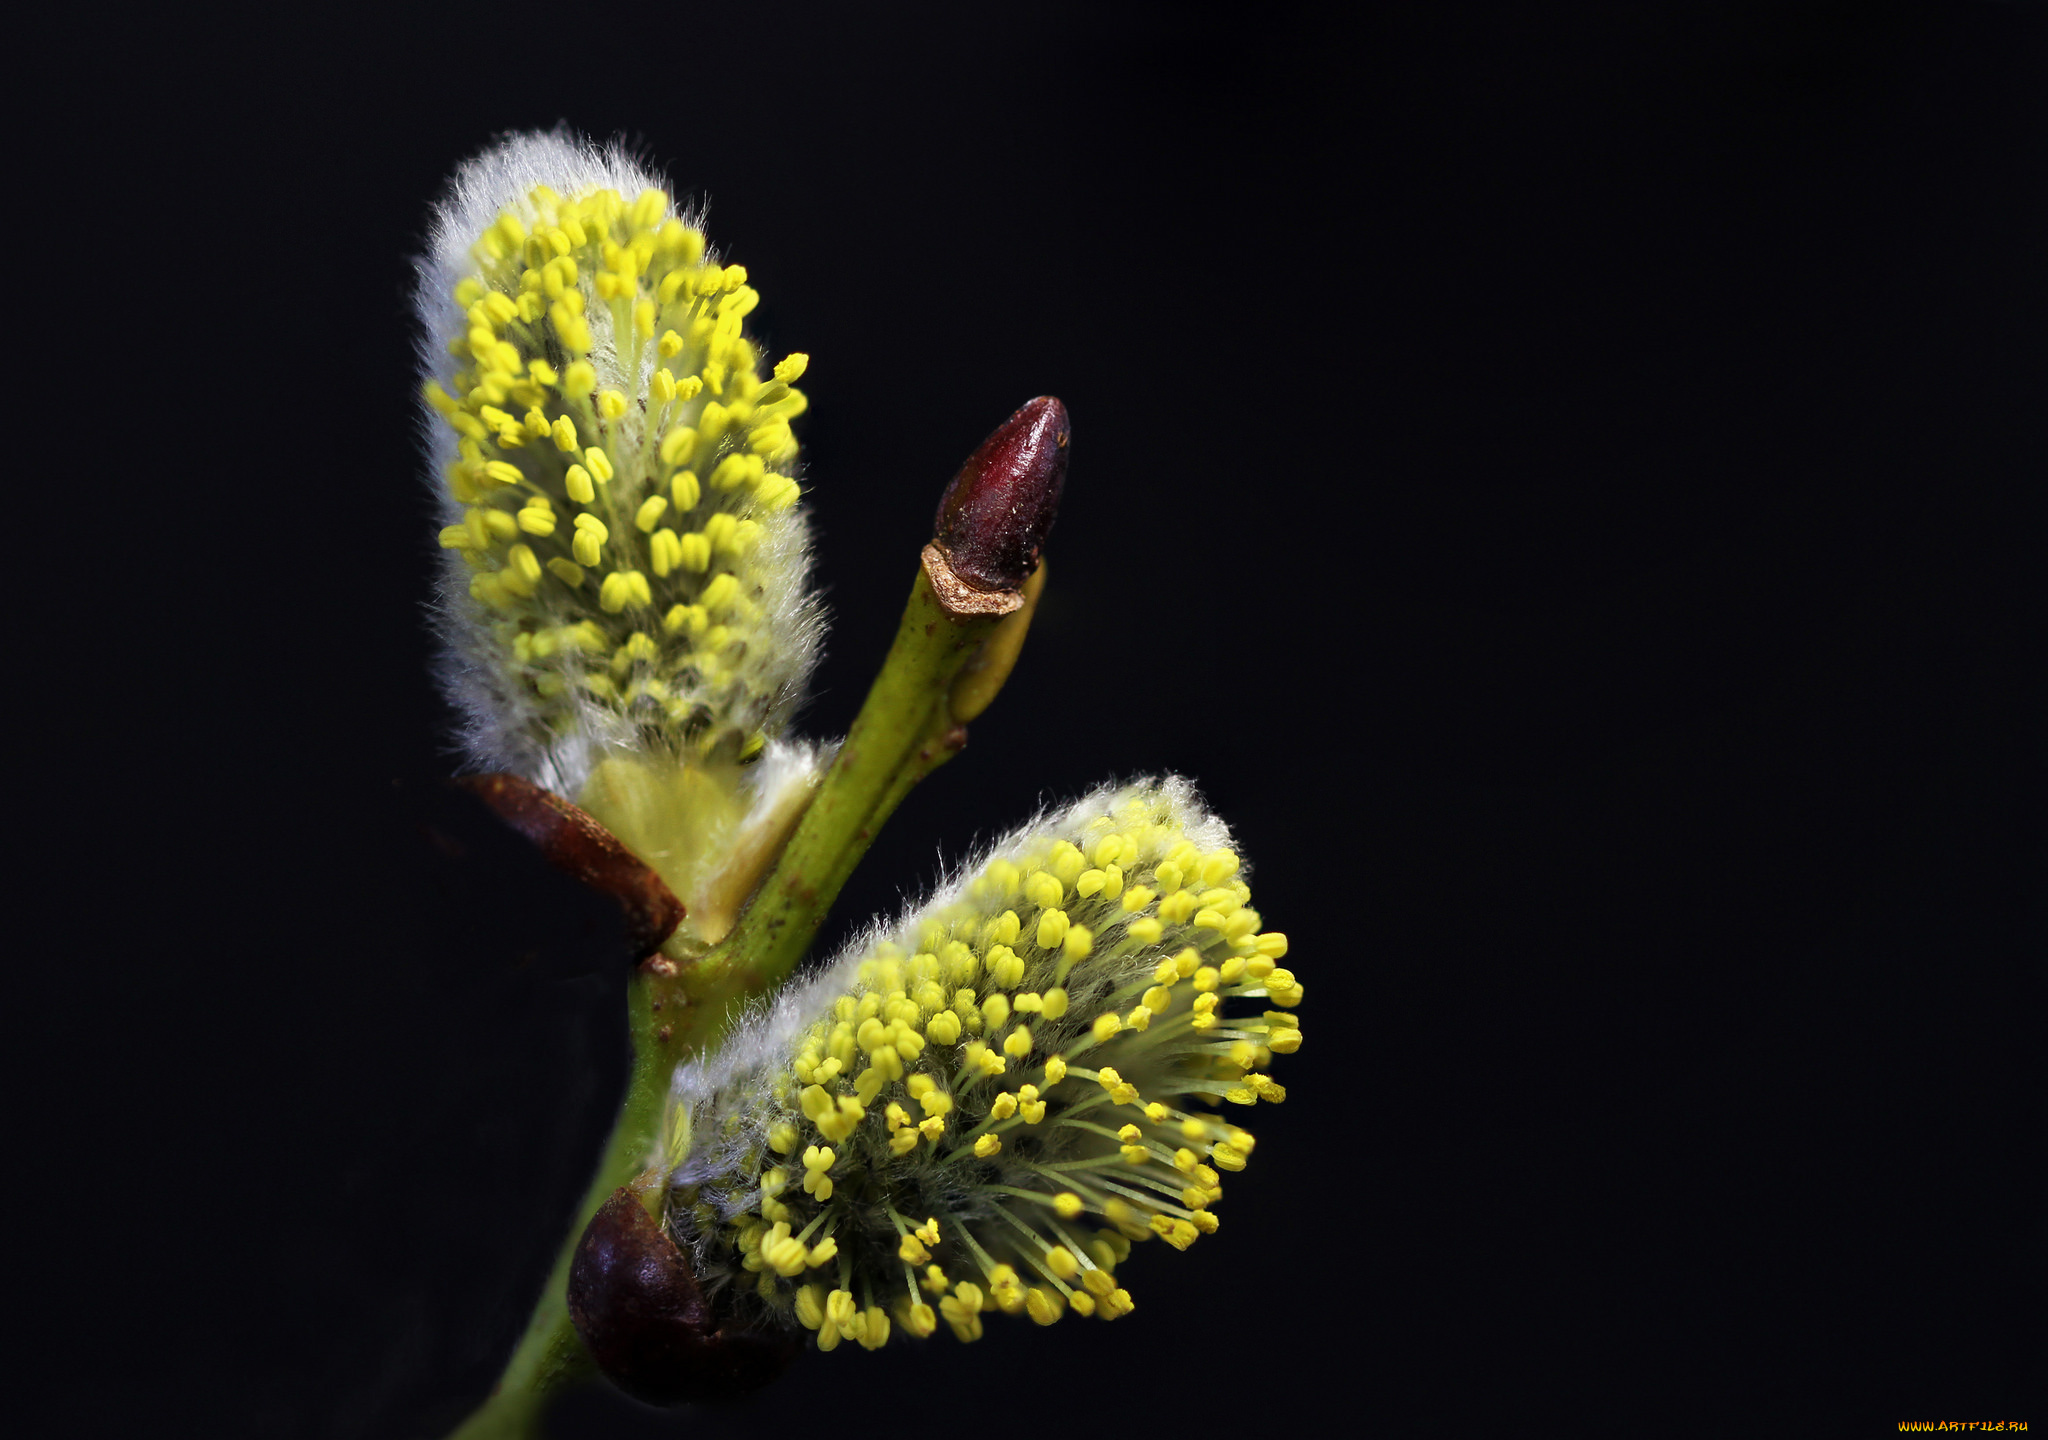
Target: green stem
(550,1357)
(905,730)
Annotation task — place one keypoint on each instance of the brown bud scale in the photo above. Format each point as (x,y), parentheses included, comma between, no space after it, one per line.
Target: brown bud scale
(574,842)
(994,517)
(635,1301)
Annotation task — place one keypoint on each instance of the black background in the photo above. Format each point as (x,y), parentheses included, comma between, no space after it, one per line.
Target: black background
(1567,481)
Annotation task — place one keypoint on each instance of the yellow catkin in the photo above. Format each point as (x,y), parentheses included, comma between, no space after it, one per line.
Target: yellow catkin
(578,399)
(947,1062)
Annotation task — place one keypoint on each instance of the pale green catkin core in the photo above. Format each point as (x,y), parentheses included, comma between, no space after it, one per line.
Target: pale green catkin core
(985,1107)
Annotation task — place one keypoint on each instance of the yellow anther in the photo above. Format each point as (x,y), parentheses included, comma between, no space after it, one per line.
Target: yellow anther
(919,1319)
(685,490)
(1043,890)
(576,480)
(782,1137)
(649,515)
(664,550)
(986,1146)
(1067,1205)
(1140,1018)
(1130,1134)
(1018,1043)
(782,1253)
(1043,1306)
(1004,1107)
(588,547)
(600,464)
(1272,945)
(964,1317)
(790,368)
(1077,944)
(1055,1071)
(694,552)
(503,472)
(719,530)
(1005,967)
(1061,1262)
(1052,925)
(720,593)
(1137,898)
(677,444)
(1105,1026)
(1066,860)
(578,379)
(874,1332)
(777,492)
(574,332)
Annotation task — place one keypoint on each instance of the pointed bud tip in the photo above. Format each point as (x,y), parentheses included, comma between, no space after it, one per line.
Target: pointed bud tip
(994,517)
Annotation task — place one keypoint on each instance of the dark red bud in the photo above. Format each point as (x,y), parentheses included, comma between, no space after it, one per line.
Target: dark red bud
(637,1305)
(994,517)
(573,842)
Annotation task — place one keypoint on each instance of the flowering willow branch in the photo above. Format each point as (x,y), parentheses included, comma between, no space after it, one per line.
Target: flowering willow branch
(1006,1088)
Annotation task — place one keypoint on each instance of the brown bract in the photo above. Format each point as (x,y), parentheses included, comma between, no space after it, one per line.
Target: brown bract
(959,599)
(574,843)
(636,1303)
